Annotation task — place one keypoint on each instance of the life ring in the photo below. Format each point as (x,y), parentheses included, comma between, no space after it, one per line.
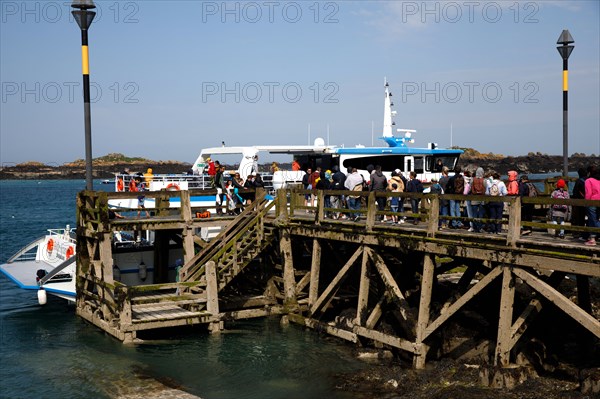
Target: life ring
(203,215)
(70,252)
(132,185)
(50,245)
(120,185)
(172,187)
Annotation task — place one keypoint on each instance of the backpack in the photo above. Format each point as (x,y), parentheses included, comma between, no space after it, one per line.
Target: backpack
(436,189)
(533,192)
(513,188)
(478,186)
(560,194)
(359,187)
(494,189)
(404,181)
(459,184)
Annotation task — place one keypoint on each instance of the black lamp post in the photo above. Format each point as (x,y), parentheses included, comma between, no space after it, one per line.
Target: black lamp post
(565,50)
(84,17)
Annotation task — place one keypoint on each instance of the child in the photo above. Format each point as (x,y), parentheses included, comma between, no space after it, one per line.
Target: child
(141,186)
(558,212)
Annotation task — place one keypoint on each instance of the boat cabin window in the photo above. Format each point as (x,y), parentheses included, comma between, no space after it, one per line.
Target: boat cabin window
(435,163)
(326,162)
(387,162)
(418,167)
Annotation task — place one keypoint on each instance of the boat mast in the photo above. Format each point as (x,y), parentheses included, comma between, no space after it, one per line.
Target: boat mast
(388,123)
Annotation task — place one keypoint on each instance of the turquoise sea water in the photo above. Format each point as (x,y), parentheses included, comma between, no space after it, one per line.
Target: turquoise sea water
(49,352)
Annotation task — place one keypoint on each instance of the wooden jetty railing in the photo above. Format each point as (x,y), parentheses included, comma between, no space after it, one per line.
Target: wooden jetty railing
(382,273)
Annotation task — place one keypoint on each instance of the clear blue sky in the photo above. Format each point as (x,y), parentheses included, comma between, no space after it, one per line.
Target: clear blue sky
(172,77)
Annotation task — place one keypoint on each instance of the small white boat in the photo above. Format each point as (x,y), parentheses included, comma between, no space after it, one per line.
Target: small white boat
(48,263)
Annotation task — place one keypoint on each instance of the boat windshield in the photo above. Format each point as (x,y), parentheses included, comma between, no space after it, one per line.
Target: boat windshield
(435,163)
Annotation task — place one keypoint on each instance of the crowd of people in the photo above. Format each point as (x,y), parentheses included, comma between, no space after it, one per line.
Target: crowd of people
(474,215)
(235,191)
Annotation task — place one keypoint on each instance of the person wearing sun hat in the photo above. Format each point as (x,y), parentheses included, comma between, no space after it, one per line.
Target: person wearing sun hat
(559,211)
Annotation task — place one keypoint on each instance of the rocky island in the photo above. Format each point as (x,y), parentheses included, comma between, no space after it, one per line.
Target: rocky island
(105,167)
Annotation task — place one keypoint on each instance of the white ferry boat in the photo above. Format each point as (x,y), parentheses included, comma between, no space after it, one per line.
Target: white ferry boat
(396,155)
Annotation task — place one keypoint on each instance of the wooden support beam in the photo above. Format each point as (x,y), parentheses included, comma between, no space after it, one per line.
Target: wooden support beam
(320,326)
(434,215)
(520,325)
(391,285)
(289,282)
(212,294)
(466,278)
(363,290)
(476,289)
(424,310)
(304,281)
(315,271)
(371,211)
(327,294)
(185,207)
(579,315)
(507,301)
(105,249)
(386,339)
(514,222)
(188,244)
(533,308)
(377,311)
(252,313)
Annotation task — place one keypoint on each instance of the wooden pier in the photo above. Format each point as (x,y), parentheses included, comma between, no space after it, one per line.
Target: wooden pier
(368,282)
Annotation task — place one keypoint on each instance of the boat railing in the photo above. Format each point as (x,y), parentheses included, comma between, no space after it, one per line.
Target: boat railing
(66,234)
(181,181)
(27,252)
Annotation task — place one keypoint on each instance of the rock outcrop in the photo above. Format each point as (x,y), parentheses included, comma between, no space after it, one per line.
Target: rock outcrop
(106,167)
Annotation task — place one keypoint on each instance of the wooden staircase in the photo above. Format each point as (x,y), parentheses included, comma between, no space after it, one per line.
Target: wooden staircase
(186,302)
(234,248)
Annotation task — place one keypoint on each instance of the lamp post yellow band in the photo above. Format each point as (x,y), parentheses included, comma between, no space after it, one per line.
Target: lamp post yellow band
(565,80)
(85,62)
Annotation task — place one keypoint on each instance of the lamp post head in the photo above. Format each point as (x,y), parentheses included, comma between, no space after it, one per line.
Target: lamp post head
(82,13)
(83,4)
(565,39)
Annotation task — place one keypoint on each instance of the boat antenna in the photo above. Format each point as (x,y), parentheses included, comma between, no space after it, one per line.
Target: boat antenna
(450,134)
